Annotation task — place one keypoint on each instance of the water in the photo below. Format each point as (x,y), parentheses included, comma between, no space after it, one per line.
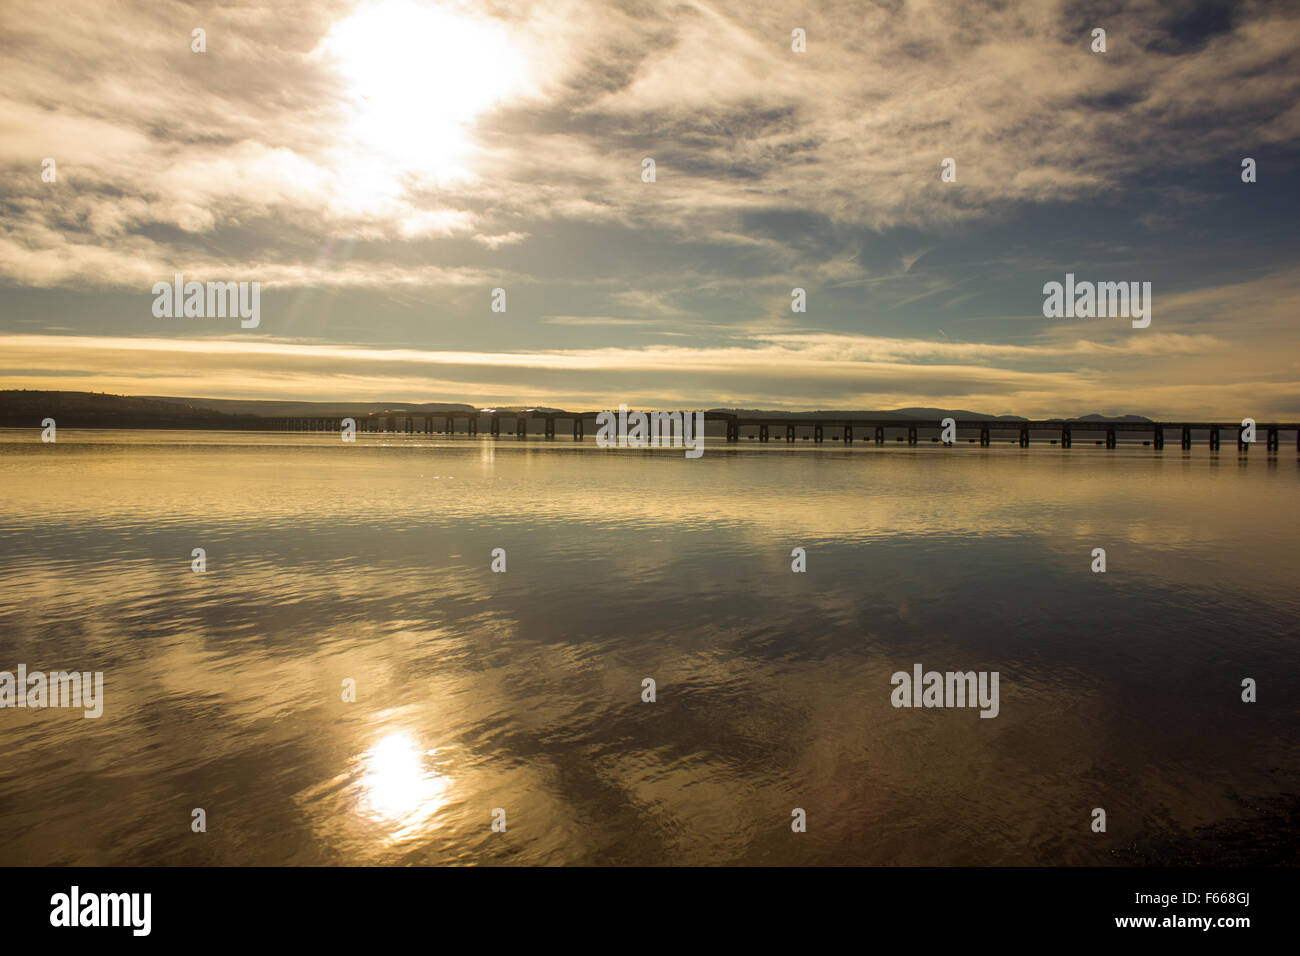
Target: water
(522,690)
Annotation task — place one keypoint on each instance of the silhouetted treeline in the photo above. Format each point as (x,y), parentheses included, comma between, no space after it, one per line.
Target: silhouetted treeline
(27,409)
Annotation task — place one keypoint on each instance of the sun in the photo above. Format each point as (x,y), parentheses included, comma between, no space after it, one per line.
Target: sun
(418,76)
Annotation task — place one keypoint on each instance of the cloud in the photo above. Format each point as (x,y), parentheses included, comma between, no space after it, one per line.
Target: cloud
(853,129)
(505,239)
(598,321)
(820,371)
(290,138)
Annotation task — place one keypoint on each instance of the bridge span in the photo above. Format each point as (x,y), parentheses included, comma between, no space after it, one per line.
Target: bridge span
(734,427)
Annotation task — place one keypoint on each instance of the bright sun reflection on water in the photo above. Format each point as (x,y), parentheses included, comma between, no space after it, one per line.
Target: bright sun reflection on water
(397,787)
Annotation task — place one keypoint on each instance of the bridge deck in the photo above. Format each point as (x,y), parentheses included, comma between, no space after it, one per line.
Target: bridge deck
(776,428)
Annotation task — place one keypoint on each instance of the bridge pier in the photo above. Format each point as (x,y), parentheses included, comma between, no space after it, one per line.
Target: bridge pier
(410,421)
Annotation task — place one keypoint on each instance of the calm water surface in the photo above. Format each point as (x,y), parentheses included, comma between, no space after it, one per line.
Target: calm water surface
(522,690)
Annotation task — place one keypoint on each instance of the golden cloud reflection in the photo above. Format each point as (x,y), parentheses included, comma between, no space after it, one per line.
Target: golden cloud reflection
(398,788)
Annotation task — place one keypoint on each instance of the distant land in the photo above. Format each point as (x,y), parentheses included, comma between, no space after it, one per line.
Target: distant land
(21,408)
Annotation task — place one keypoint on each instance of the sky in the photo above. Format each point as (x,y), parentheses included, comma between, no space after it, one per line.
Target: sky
(379,168)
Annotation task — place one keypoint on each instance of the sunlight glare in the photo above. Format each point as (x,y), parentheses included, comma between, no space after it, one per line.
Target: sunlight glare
(418,77)
(398,789)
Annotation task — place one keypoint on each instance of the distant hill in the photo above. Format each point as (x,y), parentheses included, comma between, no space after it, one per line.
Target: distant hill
(958,414)
(1112,418)
(902,414)
(26,409)
(281,409)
